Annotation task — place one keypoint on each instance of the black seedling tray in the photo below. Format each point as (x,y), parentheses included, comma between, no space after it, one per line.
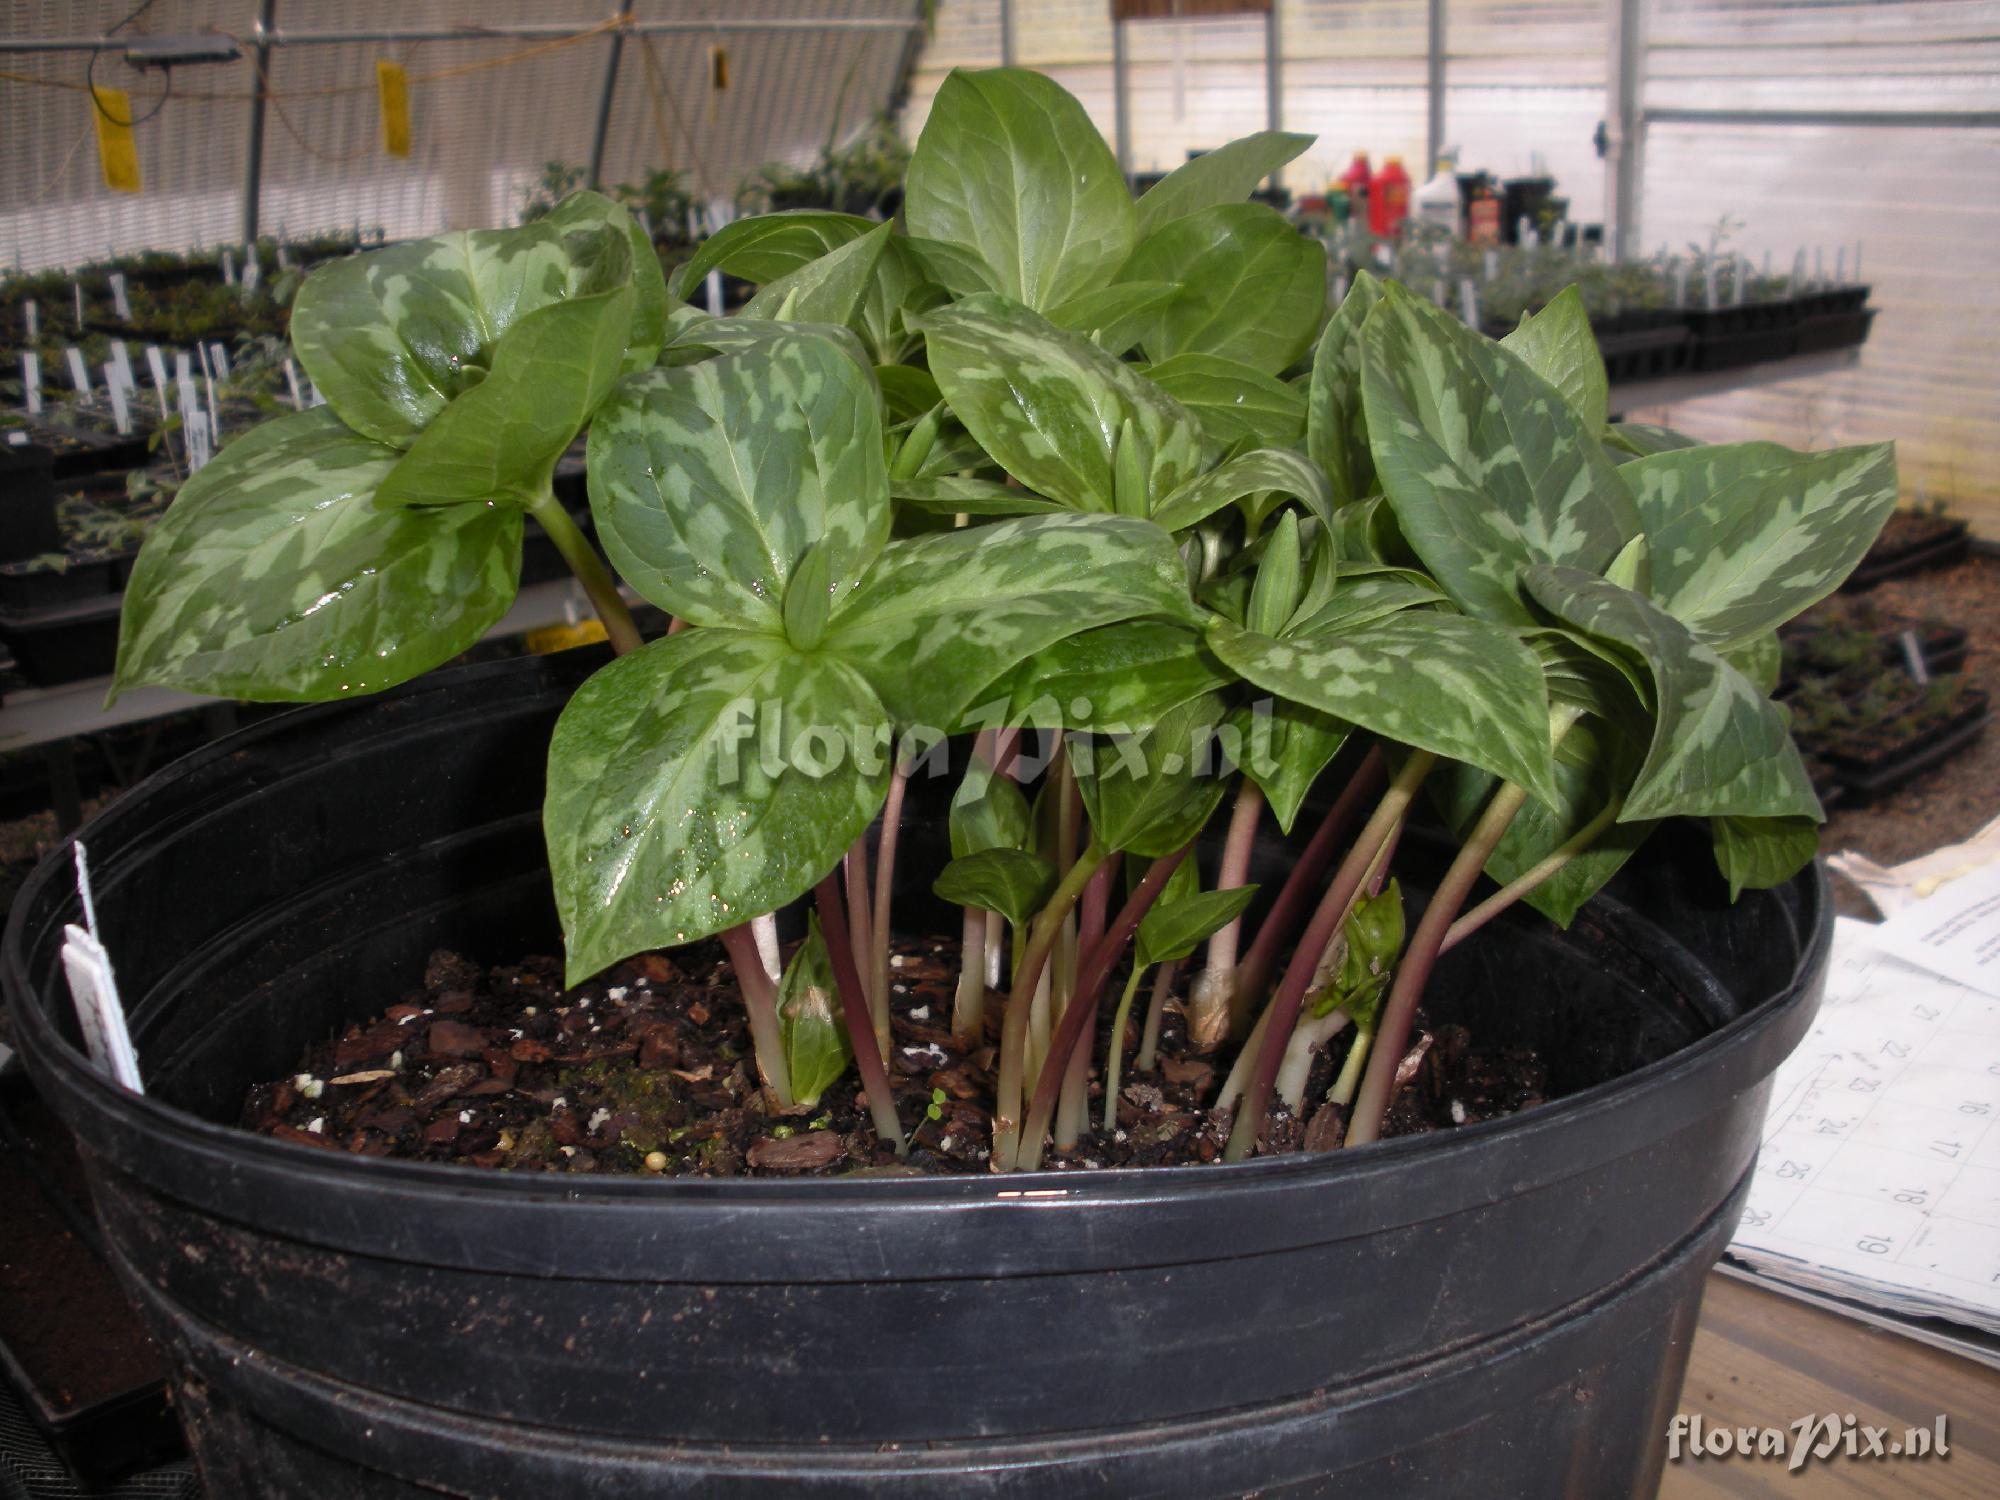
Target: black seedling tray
(94,452)
(1645,353)
(64,642)
(1947,547)
(27,502)
(1825,332)
(1875,773)
(24,586)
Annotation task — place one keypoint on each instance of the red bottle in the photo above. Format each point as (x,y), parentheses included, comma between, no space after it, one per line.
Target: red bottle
(1389,198)
(1355,180)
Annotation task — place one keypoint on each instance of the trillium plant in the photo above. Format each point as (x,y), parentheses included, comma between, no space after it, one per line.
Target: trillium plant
(1036,478)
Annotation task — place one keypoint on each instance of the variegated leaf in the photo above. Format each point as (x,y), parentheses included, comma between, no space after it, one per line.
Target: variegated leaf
(833,289)
(1745,535)
(1630,440)
(939,617)
(1151,790)
(1285,746)
(1234,403)
(392,337)
(1758,853)
(653,311)
(907,392)
(1457,687)
(951,496)
(1048,404)
(1012,882)
(707,337)
(988,811)
(700,781)
(899,293)
(1557,345)
(1719,747)
(1010,168)
(1365,594)
(1252,287)
(1336,426)
(768,246)
(500,440)
(1129,673)
(1488,469)
(708,482)
(275,576)
(1228,174)
(1261,471)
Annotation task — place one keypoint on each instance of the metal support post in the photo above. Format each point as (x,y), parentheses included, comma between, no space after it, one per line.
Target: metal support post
(253,146)
(1274,69)
(1625,136)
(1121,96)
(1434,136)
(1006,33)
(604,98)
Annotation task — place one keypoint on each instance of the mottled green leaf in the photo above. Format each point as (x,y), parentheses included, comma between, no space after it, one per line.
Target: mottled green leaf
(1012,882)
(1458,687)
(500,440)
(1149,791)
(832,289)
(1252,286)
(1336,425)
(1227,174)
(952,496)
(709,481)
(1174,929)
(653,310)
(392,337)
(707,337)
(1758,853)
(1364,594)
(1129,673)
(899,293)
(1488,469)
(988,811)
(810,1027)
(1558,345)
(1285,746)
(1011,168)
(1264,470)
(702,780)
(1746,535)
(1719,747)
(959,268)
(1280,580)
(274,575)
(1234,403)
(1637,440)
(769,246)
(1760,658)
(907,391)
(1048,404)
(939,617)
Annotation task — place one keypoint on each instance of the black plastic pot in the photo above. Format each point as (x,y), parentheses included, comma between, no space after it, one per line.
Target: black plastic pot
(1503,1311)
(27,502)
(58,643)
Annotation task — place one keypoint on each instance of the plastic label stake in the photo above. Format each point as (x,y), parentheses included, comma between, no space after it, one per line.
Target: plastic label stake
(158,365)
(31,315)
(121,414)
(228,266)
(1468,302)
(122,358)
(119,301)
(1491,264)
(219,356)
(292,379)
(253,271)
(31,380)
(79,372)
(94,989)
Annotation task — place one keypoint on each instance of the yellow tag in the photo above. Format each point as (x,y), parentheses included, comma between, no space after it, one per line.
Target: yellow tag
(115,151)
(718,68)
(553,638)
(394,87)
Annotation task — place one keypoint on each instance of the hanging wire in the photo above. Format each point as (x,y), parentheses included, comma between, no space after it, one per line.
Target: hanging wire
(90,75)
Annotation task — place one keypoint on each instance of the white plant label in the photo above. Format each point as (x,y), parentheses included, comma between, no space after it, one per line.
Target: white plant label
(122,358)
(1468,302)
(292,380)
(1709,288)
(31,379)
(284,260)
(1819,266)
(94,988)
(1437,291)
(1840,266)
(1340,289)
(1857,261)
(229,267)
(157,364)
(220,358)
(1735,280)
(1491,265)
(31,315)
(79,372)
(1680,283)
(253,272)
(121,412)
(119,301)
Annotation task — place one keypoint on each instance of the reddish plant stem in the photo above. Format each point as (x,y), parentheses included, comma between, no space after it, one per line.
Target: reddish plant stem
(1282,919)
(1210,1001)
(885,878)
(1072,1032)
(854,870)
(1094,908)
(1392,1031)
(868,1058)
(753,982)
(1331,912)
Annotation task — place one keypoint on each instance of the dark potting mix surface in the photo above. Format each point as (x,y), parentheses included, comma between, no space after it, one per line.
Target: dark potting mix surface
(648,1069)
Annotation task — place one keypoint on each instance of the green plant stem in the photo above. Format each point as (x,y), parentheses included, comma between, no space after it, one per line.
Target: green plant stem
(1238,1077)
(1210,999)
(760,1000)
(868,1059)
(1522,884)
(1156,1010)
(1014,1025)
(885,876)
(968,1006)
(1326,921)
(1115,1059)
(1342,1092)
(1311,1034)
(1282,919)
(590,571)
(1073,1101)
(1073,1033)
